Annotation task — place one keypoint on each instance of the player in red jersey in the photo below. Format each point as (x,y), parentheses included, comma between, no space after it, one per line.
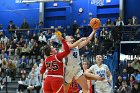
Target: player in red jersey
(54,80)
(73,87)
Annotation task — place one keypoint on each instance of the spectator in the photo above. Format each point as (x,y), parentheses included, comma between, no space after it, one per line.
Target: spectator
(103,34)
(7,46)
(25,25)
(109,22)
(115,21)
(136,88)
(23,62)
(28,37)
(130,69)
(48,34)
(2,46)
(77,34)
(31,44)
(124,88)
(11,25)
(33,71)
(35,37)
(138,77)
(35,51)
(119,82)
(21,86)
(42,38)
(131,81)
(134,20)
(65,33)
(41,25)
(124,74)
(13,47)
(33,84)
(119,22)
(25,50)
(129,21)
(4,39)
(74,27)
(11,70)
(136,64)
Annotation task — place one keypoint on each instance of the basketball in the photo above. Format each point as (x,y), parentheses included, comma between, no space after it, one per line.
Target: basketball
(58,33)
(95,23)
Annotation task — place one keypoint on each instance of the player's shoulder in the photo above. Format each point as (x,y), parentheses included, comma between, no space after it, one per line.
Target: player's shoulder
(49,57)
(94,66)
(104,66)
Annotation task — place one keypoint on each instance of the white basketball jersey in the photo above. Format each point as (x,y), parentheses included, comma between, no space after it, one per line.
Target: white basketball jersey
(101,71)
(73,58)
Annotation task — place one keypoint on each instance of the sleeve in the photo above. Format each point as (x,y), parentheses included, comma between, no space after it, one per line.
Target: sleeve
(92,69)
(43,68)
(66,51)
(106,67)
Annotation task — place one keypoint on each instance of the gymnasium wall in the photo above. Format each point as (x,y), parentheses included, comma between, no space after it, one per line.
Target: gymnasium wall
(69,12)
(61,15)
(131,8)
(10,10)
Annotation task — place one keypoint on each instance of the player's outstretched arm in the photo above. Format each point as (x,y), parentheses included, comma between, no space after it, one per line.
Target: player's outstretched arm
(85,42)
(66,51)
(91,76)
(110,76)
(76,43)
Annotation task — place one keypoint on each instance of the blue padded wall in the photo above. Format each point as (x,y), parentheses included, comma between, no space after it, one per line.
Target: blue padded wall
(9,10)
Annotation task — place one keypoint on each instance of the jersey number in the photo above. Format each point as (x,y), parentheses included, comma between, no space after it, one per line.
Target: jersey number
(75,54)
(102,75)
(52,65)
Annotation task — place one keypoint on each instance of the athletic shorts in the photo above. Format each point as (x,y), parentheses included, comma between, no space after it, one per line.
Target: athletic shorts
(103,87)
(72,71)
(53,85)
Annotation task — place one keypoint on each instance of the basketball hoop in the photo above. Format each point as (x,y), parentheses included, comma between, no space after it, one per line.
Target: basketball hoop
(97,2)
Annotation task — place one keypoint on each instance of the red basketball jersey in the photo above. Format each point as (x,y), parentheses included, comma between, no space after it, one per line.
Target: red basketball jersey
(73,87)
(55,67)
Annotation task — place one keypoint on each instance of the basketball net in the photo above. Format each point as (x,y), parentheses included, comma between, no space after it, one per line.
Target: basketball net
(97,2)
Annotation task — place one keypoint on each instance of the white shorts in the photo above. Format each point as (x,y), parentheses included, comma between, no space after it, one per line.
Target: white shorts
(103,87)
(72,71)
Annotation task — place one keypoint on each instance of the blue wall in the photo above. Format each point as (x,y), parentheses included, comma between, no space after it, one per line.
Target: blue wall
(112,62)
(131,8)
(9,10)
(65,13)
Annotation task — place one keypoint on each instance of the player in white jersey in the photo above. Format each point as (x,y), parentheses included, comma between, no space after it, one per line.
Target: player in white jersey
(102,70)
(72,67)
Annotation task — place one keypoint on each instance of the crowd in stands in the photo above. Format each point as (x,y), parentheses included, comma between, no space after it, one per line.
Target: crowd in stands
(22,51)
(128,80)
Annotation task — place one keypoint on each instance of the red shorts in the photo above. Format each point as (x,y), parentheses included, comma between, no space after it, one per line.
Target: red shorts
(53,85)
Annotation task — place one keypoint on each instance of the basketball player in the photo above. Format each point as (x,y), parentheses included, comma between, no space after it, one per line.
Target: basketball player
(102,70)
(72,61)
(85,66)
(53,63)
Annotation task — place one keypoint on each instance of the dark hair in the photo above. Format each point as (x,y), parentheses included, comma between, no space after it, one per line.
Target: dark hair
(47,50)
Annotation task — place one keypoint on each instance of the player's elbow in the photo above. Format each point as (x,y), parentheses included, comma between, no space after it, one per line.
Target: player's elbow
(86,73)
